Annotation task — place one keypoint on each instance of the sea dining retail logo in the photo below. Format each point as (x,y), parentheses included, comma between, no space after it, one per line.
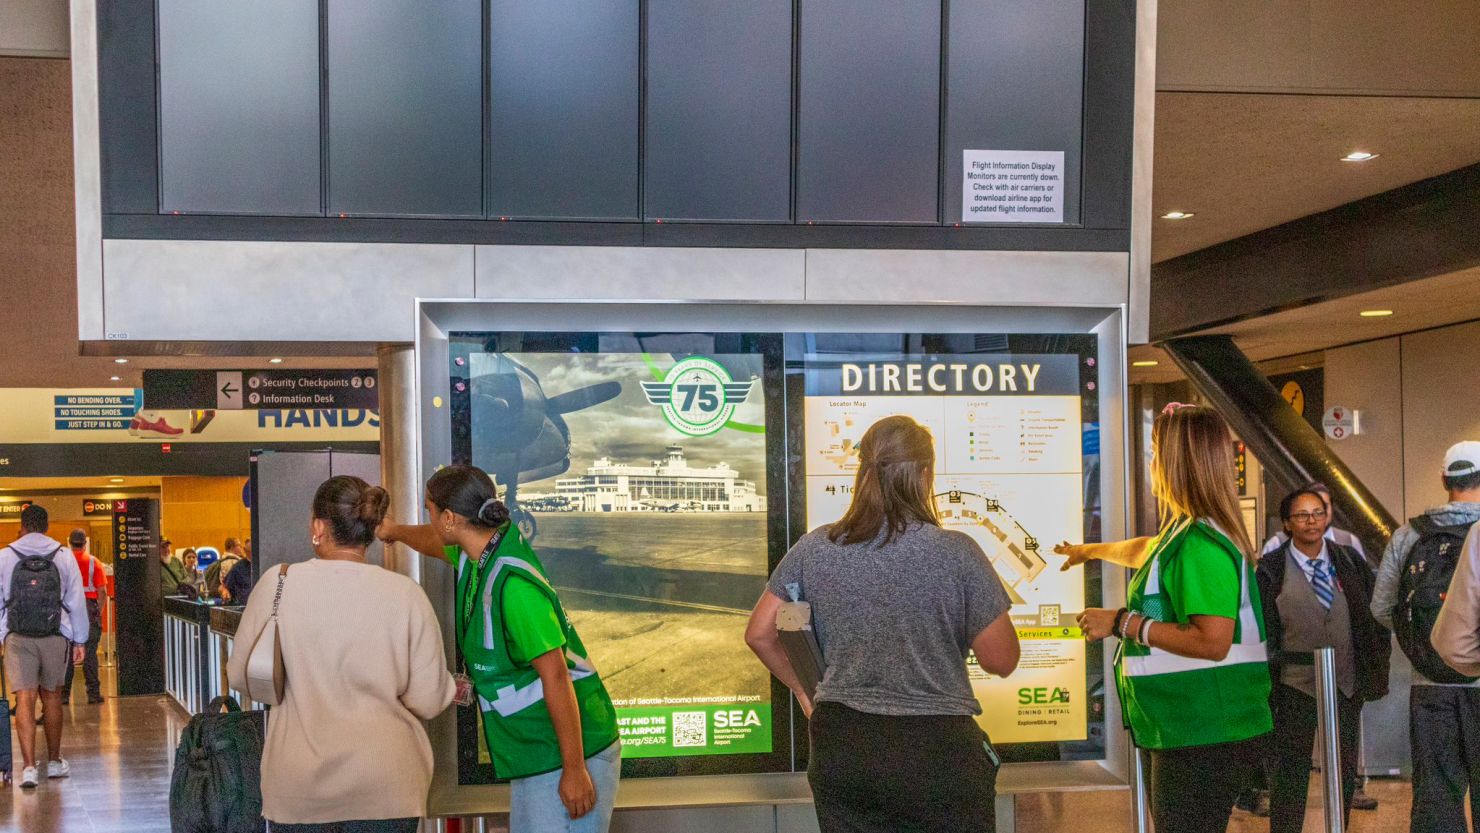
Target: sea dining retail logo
(697,395)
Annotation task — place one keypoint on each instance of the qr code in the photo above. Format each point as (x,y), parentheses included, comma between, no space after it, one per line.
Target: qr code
(690,729)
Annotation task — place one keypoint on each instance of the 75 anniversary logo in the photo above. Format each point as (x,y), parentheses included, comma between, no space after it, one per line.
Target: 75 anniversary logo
(697,395)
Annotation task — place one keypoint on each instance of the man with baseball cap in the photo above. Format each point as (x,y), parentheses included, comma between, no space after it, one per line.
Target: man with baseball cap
(1419,569)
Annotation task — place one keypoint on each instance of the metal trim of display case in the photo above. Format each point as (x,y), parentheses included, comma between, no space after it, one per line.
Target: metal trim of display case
(437,318)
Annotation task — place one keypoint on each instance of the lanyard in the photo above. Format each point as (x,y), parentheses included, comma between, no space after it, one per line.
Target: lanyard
(475,581)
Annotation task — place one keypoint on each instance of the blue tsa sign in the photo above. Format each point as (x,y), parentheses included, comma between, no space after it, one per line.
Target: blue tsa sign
(697,396)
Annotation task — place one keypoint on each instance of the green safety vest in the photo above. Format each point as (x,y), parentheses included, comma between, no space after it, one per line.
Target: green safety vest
(1172,701)
(511,696)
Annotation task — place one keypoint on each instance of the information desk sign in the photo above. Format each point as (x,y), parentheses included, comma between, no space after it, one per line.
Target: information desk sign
(235,390)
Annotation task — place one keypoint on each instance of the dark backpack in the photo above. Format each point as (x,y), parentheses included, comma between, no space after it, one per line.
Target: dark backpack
(34,606)
(217,783)
(216,572)
(1422,587)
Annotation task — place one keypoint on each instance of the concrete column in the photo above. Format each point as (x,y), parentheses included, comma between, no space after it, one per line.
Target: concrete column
(400,470)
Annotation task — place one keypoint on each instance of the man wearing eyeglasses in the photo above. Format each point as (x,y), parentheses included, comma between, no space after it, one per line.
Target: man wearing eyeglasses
(1443,704)
(1316,594)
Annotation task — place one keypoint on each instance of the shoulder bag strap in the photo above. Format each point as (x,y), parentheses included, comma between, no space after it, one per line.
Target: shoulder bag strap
(277,597)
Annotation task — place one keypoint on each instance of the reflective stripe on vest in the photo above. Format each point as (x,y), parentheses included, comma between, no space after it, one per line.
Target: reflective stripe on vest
(503,562)
(512,700)
(87,580)
(1248,647)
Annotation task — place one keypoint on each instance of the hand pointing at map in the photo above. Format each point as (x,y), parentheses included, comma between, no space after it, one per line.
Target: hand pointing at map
(1131,553)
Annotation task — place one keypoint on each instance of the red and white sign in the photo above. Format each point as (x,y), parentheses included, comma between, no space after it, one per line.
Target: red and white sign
(1340,422)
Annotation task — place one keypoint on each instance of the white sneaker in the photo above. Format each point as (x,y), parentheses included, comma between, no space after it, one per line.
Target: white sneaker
(29,779)
(58,768)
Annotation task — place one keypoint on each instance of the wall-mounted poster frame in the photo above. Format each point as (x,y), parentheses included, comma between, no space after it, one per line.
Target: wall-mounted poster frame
(438,321)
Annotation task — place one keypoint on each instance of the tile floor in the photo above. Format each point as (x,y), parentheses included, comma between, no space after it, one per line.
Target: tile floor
(121,753)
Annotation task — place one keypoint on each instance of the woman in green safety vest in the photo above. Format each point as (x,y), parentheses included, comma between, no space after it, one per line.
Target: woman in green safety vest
(549,722)
(1192,671)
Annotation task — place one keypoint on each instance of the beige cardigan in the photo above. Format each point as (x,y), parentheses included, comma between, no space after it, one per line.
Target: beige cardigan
(365,663)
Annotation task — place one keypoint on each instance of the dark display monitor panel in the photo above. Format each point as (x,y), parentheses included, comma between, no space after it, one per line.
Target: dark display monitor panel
(663,474)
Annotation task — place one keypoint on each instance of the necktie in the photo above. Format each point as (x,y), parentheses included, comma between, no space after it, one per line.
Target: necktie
(1321,583)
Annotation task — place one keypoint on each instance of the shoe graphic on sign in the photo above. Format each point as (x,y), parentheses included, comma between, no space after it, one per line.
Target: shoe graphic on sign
(150,424)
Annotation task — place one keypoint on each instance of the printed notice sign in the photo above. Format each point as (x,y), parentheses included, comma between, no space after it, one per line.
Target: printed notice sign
(1012,186)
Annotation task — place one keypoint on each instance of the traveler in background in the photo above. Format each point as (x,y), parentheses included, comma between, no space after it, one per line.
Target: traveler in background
(1192,669)
(346,750)
(95,590)
(231,553)
(43,623)
(1316,594)
(238,579)
(1333,533)
(898,603)
(192,566)
(1255,798)
(560,745)
(1444,713)
(171,570)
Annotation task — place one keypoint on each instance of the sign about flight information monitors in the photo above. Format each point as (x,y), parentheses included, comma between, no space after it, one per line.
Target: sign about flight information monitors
(1009,472)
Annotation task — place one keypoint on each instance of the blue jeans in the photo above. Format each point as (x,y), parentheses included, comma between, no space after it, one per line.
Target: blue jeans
(535,801)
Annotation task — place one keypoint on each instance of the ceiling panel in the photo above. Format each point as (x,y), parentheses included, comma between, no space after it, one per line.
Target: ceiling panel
(1242,163)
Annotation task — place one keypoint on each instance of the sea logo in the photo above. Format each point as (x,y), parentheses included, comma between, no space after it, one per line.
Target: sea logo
(1043,696)
(697,396)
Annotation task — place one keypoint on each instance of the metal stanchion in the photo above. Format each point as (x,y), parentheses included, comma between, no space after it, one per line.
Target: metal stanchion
(1328,740)
(1140,803)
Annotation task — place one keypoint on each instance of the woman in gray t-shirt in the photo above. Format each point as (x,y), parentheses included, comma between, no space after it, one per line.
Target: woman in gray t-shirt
(897,603)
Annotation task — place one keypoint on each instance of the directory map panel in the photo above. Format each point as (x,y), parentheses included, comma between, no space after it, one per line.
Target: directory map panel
(1009,441)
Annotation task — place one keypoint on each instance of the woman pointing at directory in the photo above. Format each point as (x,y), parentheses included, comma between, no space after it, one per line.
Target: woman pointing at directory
(547,717)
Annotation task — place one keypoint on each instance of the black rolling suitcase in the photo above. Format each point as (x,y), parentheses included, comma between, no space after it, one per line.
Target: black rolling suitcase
(6,763)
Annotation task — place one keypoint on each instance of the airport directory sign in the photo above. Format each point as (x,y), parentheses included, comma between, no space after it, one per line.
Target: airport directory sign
(661,476)
(1009,433)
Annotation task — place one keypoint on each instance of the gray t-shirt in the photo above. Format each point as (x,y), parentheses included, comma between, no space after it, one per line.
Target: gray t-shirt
(896,622)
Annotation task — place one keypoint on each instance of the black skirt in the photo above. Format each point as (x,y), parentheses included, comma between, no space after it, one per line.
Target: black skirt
(885,774)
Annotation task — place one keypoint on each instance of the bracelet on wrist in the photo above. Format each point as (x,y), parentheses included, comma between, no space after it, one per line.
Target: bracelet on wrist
(1120,619)
(1144,633)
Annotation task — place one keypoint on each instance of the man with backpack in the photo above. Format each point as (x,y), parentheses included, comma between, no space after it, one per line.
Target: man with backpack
(43,624)
(1443,704)
(216,573)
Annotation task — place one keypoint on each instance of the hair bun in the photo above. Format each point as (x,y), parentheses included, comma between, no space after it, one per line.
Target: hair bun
(493,512)
(372,506)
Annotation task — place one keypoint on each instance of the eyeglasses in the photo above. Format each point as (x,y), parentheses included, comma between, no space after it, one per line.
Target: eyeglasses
(1308,517)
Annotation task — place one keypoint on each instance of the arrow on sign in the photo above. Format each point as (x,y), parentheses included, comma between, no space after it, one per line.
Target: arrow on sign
(229,390)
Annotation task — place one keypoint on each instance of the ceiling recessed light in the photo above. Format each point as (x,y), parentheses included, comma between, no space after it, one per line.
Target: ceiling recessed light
(1375,313)
(274,361)
(115,480)
(115,379)
(1145,363)
(1359,156)
(120,361)
(1178,215)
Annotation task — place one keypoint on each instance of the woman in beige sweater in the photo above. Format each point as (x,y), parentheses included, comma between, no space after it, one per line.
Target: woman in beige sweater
(346,751)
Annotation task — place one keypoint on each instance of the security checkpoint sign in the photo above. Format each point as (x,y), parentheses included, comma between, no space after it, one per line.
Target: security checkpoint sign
(251,390)
(1340,422)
